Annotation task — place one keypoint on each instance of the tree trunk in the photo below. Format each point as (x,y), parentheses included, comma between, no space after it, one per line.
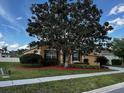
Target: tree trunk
(69,58)
(61,57)
(68,55)
(122,64)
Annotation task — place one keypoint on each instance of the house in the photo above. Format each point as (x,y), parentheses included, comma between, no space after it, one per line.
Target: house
(4,53)
(1,52)
(109,55)
(76,56)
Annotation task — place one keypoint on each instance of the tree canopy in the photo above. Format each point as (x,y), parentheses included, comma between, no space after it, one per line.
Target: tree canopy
(118,47)
(69,25)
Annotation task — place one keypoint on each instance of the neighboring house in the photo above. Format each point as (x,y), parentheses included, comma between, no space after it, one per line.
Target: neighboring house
(6,57)
(3,53)
(76,56)
(109,56)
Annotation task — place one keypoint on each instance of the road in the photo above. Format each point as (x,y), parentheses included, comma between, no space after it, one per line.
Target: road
(120,90)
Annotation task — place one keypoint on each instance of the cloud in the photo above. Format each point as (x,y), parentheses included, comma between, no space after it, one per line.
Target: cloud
(5,15)
(1,36)
(10,27)
(117,22)
(3,43)
(109,32)
(8,17)
(117,9)
(14,46)
(24,47)
(17,46)
(19,18)
(2,11)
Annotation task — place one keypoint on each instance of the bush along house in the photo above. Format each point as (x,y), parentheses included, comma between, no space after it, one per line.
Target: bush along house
(52,55)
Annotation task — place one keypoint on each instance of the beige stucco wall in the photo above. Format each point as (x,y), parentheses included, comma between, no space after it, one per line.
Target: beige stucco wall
(43,48)
(32,51)
(91,57)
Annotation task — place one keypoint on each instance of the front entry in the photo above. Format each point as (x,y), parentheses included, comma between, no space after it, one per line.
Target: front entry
(75,56)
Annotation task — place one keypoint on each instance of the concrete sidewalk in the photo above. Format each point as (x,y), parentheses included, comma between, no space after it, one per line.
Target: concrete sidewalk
(108,89)
(55,78)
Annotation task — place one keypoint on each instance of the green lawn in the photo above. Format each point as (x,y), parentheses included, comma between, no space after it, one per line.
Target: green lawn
(67,86)
(22,74)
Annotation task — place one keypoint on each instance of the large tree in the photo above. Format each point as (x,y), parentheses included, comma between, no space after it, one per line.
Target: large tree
(67,25)
(118,48)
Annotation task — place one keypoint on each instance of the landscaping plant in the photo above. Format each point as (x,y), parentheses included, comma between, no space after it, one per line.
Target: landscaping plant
(31,60)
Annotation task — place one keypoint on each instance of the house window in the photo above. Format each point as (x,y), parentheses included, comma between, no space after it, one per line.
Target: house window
(75,55)
(50,54)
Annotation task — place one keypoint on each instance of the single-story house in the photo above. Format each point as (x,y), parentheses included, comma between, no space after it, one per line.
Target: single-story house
(76,56)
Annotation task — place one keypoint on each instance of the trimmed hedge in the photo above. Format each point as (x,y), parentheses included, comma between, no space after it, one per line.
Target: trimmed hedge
(83,66)
(31,59)
(116,62)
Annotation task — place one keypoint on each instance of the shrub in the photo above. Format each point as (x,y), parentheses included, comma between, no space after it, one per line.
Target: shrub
(51,62)
(61,64)
(31,59)
(84,66)
(116,62)
(79,63)
(102,60)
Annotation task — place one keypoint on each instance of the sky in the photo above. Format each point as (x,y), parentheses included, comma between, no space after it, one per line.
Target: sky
(14,15)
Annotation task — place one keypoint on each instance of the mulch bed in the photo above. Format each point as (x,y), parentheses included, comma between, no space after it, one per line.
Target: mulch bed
(52,67)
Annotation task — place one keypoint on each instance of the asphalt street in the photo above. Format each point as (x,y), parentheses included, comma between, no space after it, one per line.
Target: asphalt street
(121,90)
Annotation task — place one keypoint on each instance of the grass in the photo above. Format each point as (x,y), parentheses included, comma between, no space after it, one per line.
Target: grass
(24,73)
(67,86)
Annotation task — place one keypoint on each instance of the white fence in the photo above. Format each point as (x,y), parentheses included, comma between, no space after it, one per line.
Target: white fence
(7,59)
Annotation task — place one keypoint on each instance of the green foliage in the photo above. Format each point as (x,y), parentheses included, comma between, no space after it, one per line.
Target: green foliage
(102,60)
(51,62)
(20,72)
(118,47)
(67,25)
(17,53)
(31,59)
(83,66)
(6,71)
(116,62)
(77,85)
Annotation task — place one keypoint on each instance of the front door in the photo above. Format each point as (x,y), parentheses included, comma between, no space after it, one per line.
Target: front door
(75,56)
